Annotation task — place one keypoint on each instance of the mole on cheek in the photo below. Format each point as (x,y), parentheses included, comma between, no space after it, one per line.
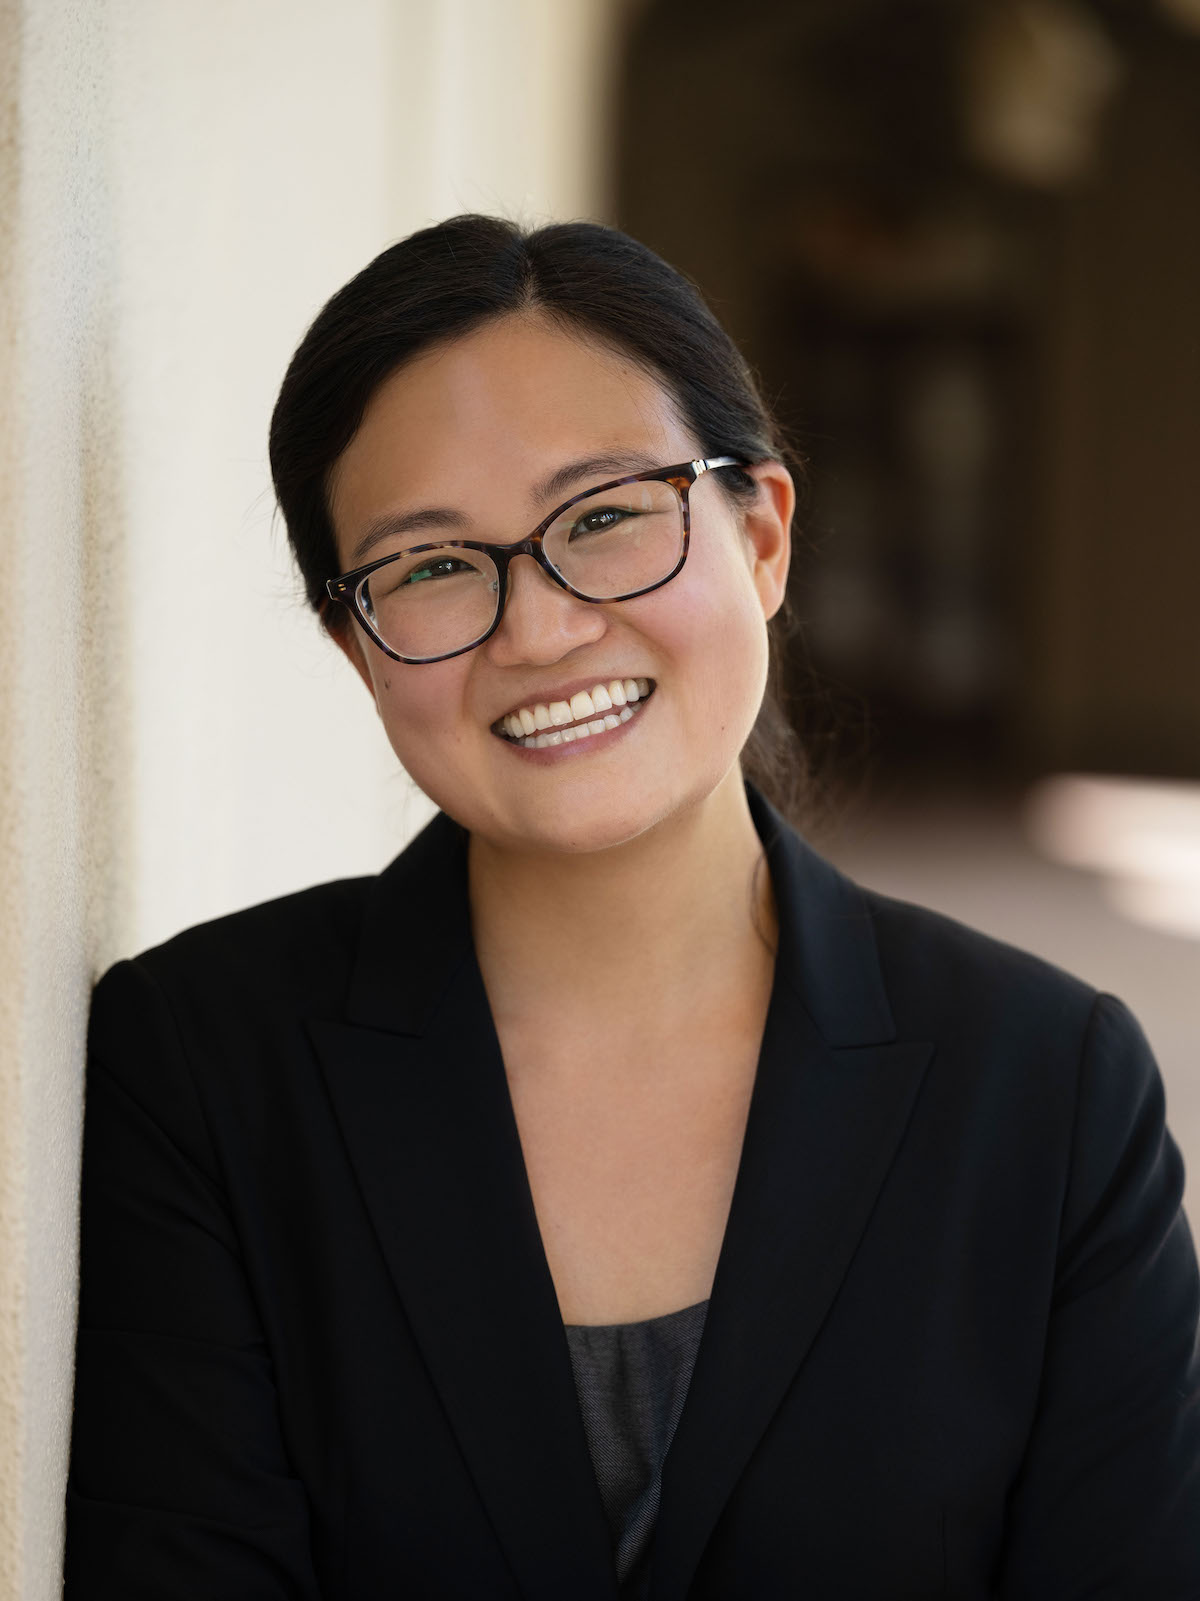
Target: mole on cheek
(387,683)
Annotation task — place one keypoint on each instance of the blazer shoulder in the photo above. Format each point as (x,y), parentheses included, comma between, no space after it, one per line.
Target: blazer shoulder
(940,971)
(297,945)
(1060,1064)
(215,1014)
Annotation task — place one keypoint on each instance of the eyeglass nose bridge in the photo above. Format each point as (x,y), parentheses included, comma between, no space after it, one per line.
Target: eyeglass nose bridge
(533,546)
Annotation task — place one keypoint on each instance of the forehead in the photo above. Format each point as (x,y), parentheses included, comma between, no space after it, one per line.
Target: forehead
(477,421)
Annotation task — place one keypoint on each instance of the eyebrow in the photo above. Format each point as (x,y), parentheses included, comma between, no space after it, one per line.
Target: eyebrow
(615,464)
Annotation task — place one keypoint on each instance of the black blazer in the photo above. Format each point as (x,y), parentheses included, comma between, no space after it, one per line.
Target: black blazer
(951,1346)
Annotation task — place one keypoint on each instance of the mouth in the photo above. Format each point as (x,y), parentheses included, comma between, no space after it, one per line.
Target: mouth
(588,712)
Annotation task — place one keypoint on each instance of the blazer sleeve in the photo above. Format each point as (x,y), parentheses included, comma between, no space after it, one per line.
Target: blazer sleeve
(179,1481)
(1107,1503)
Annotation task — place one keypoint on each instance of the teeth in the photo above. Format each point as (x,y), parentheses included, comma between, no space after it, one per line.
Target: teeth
(590,712)
(568,736)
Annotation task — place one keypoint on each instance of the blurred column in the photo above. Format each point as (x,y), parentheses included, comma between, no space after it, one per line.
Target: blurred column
(182,186)
(63,778)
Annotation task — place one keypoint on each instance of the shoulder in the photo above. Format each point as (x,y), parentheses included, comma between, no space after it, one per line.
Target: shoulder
(229,1000)
(302,944)
(873,967)
(223,1003)
(1037,1076)
(1023,1031)
(206,1032)
(938,971)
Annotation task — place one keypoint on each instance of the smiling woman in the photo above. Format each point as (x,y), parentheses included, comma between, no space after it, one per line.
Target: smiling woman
(609,1198)
(469,436)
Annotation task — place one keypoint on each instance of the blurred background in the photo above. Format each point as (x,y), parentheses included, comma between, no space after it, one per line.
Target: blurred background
(960,242)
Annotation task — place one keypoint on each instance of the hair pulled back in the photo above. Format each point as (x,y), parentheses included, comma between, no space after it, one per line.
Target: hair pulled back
(447,280)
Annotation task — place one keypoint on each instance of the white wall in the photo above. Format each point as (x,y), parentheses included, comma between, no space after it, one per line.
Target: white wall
(255,169)
(182,184)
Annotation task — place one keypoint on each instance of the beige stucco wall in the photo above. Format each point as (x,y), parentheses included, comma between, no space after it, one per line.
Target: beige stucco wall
(181,185)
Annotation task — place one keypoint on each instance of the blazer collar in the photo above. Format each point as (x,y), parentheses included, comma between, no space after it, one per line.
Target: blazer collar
(419,1089)
(416,932)
(826,943)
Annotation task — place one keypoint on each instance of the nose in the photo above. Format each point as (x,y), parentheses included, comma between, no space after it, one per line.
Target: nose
(541,621)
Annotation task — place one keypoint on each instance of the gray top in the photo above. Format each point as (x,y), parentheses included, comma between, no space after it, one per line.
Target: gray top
(631,1379)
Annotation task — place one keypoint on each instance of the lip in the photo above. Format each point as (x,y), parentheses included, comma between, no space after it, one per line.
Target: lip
(564,692)
(549,754)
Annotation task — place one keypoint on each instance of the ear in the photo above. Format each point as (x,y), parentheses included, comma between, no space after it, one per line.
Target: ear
(767,526)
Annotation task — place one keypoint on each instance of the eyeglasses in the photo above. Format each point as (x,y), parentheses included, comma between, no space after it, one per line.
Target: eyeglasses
(619,540)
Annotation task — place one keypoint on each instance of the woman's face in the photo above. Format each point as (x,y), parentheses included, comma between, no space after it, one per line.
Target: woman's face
(475,426)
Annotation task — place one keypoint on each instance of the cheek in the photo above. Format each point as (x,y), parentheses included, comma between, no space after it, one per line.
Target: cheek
(733,604)
(715,632)
(736,661)
(415,703)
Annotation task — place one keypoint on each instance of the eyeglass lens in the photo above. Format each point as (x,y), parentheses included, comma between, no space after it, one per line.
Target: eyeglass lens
(607,546)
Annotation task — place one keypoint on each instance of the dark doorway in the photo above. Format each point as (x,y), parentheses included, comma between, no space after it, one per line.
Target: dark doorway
(960,242)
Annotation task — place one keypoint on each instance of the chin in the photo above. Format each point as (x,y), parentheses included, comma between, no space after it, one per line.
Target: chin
(587,819)
(577,807)
(584,835)
(572,824)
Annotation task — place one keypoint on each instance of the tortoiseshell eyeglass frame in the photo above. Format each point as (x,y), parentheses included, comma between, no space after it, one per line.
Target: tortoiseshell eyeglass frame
(347,588)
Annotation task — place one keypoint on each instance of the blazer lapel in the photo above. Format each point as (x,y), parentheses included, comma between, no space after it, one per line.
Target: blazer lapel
(419,1089)
(831,1100)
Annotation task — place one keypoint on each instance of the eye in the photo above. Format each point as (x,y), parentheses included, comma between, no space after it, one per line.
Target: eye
(599,520)
(440,567)
(432,569)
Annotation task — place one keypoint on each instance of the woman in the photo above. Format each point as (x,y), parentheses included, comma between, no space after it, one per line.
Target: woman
(423,1213)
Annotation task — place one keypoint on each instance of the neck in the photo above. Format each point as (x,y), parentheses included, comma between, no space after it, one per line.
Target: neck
(682,912)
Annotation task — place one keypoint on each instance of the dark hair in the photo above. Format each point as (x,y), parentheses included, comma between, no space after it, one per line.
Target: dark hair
(445,281)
